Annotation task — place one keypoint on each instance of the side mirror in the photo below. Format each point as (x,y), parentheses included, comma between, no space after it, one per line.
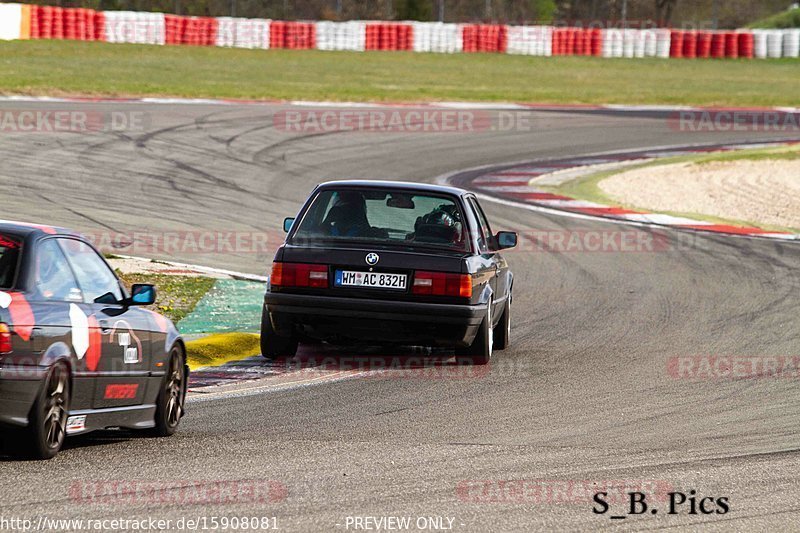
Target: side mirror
(287,224)
(506,239)
(143,294)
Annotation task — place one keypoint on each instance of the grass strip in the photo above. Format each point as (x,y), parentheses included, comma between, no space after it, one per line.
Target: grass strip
(59,68)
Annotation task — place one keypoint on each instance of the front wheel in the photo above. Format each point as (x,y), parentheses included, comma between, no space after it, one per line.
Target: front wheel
(480,351)
(48,421)
(274,346)
(169,406)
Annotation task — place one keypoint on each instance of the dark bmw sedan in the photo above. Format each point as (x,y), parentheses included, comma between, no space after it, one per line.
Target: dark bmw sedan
(374,262)
(77,351)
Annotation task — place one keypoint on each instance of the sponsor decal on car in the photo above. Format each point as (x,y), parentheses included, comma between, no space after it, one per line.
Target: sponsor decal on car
(76,423)
(121,391)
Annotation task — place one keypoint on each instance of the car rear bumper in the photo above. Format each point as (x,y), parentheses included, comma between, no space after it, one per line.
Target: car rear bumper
(375,320)
(18,389)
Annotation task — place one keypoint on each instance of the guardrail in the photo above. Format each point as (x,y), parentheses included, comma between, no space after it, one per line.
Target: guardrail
(20,21)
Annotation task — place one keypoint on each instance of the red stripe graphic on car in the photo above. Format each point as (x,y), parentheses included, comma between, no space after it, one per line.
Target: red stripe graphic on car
(21,313)
(95,344)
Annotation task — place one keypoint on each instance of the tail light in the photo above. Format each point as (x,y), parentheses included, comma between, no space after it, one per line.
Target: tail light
(5,339)
(299,275)
(442,284)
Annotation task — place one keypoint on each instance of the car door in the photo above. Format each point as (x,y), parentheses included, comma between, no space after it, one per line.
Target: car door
(487,266)
(488,247)
(124,364)
(60,316)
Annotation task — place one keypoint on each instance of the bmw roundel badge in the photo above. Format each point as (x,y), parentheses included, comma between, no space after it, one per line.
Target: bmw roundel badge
(372,258)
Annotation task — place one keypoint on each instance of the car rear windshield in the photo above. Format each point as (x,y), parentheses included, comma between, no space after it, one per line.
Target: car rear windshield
(382,216)
(9,260)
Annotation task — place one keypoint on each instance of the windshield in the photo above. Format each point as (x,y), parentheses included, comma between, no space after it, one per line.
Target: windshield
(9,259)
(386,217)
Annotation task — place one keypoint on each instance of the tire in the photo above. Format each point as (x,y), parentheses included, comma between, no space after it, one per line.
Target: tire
(48,420)
(480,351)
(502,331)
(274,346)
(171,397)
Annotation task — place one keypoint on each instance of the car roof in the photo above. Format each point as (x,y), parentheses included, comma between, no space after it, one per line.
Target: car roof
(398,185)
(22,230)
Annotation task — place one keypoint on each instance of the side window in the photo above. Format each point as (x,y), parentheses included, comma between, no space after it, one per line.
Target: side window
(54,278)
(485,238)
(94,276)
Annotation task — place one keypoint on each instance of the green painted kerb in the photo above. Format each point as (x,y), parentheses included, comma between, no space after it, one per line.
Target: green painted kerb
(231,305)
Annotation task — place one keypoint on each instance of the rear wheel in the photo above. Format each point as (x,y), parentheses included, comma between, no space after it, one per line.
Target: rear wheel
(274,346)
(480,352)
(502,331)
(48,421)
(169,406)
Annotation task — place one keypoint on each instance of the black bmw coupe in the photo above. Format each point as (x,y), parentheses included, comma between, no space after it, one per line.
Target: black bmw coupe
(377,262)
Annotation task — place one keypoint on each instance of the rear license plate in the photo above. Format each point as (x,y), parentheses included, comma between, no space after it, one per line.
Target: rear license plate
(371,280)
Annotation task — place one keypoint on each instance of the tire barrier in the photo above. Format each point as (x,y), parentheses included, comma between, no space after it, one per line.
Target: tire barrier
(388,36)
(242,33)
(577,42)
(703,44)
(437,37)
(193,31)
(692,44)
(292,35)
(760,44)
(746,45)
(532,40)
(341,35)
(774,43)
(11,22)
(485,37)
(637,43)
(20,21)
(134,27)
(791,43)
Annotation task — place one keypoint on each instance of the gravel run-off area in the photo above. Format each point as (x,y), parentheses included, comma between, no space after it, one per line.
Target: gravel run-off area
(764,192)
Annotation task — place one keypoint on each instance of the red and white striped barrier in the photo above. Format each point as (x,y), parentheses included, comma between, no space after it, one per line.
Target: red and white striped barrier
(20,21)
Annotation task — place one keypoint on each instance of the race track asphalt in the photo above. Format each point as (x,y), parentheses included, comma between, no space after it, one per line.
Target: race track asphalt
(584,397)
